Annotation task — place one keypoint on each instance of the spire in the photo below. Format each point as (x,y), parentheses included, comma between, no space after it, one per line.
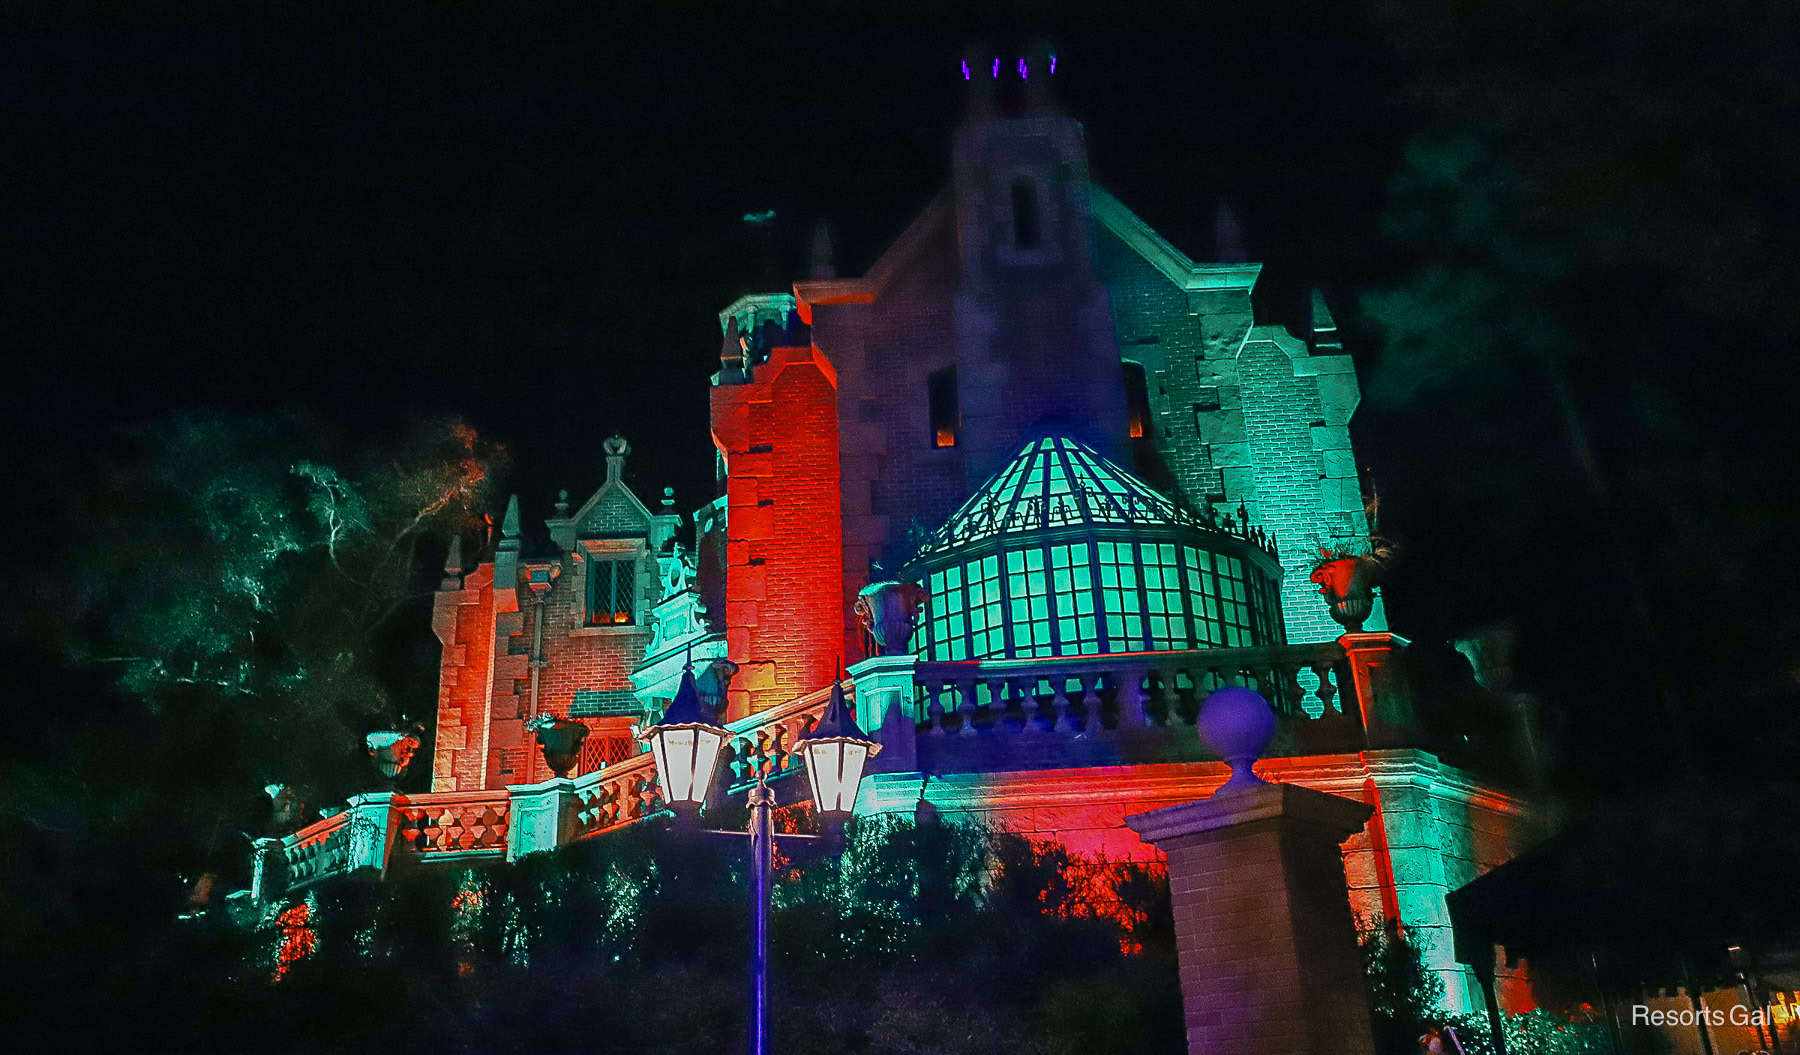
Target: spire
(509,525)
(822,265)
(1037,69)
(453,565)
(978,68)
(616,449)
(731,355)
(1228,237)
(1325,339)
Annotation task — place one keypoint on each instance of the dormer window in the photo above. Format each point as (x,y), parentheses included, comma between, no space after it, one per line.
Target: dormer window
(1026,228)
(612,591)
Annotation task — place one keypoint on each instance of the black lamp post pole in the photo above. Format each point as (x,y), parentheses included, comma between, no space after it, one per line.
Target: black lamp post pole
(762,866)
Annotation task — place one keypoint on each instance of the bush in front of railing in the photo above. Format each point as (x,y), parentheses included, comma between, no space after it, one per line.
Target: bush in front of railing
(936,937)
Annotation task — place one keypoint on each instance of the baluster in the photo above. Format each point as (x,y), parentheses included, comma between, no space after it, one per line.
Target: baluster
(966,709)
(1195,694)
(1024,690)
(1131,698)
(1059,704)
(1090,704)
(934,706)
(1327,691)
(609,804)
(759,758)
(1291,690)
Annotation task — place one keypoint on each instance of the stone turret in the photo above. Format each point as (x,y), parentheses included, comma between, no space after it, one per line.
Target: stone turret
(1036,347)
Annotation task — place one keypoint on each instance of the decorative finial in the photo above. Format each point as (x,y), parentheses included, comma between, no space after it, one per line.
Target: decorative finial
(822,266)
(562,502)
(1228,237)
(1035,70)
(1237,724)
(980,67)
(453,563)
(509,524)
(668,499)
(617,449)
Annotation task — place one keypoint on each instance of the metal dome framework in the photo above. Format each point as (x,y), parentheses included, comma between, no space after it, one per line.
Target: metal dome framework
(1064,553)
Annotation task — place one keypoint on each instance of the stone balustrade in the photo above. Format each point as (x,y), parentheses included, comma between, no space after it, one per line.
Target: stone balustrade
(969,716)
(1095,697)
(380,831)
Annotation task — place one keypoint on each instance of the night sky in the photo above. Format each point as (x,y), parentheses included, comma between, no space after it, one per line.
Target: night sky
(529,218)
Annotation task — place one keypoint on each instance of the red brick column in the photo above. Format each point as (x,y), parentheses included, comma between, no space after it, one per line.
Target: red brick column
(784,575)
(1263,932)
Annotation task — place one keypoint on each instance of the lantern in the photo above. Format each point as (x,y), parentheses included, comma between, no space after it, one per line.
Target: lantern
(686,745)
(835,753)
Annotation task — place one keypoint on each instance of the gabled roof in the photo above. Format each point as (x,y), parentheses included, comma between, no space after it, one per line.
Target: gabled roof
(1107,210)
(1058,482)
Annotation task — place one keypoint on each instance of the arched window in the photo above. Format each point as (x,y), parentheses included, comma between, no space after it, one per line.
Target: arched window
(1026,234)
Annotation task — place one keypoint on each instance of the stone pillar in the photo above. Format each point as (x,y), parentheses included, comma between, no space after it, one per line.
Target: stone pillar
(372,830)
(884,707)
(543,817)
(268,870)
(1381,690)
(1266,945)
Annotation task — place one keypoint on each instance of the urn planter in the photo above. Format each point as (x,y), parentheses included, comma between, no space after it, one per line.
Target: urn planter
(1348,586)
(561,740)
(392,751)
(889,613)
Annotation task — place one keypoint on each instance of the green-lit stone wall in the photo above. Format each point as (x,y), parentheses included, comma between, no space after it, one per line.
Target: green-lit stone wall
(1243,414)
(1287,486)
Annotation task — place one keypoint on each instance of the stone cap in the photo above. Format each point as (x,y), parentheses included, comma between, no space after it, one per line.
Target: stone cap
(1337,816)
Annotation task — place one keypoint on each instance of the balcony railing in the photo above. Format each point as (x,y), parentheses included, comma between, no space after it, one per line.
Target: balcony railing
(1123,707)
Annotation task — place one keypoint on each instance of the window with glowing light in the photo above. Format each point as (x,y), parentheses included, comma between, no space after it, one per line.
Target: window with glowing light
(612,592)
(940,396)
(1137,401)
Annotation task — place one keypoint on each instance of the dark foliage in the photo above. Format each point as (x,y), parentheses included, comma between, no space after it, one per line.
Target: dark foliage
(933,939)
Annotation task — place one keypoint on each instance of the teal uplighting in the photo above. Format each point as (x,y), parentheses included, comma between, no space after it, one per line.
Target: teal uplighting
(1063,553)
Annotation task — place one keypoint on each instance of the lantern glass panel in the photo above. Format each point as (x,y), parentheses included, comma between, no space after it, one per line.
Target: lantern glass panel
(834,768)
(685,759)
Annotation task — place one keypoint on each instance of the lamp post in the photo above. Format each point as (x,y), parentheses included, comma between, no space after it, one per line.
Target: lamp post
(686,745)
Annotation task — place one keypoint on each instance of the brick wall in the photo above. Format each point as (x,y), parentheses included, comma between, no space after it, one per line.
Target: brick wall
(1243,414)
(784,575)
(463,620)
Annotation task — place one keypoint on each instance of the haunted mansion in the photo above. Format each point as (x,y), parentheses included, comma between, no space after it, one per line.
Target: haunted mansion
(1036,482)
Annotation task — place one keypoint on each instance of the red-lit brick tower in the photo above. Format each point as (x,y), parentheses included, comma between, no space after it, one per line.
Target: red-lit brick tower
(775,421)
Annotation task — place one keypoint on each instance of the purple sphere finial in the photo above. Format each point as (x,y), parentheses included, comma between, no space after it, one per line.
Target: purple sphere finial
(1237,724)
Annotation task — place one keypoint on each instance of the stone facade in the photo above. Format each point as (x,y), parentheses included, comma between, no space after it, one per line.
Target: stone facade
(854,415)
(522,636)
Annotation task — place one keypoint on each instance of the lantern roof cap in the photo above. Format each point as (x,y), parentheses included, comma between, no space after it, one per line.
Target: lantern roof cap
(838,722)
(685,708)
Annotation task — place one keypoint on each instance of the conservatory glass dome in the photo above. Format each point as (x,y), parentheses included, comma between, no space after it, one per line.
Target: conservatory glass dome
(1063,553)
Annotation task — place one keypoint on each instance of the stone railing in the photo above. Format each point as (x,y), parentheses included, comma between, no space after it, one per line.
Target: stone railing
(1096,694)
(381,831)
(956,716)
